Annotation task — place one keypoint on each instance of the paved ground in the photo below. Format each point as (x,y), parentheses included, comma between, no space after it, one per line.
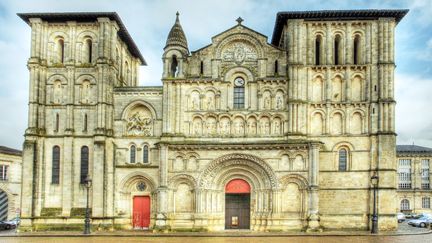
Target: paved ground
(422,236)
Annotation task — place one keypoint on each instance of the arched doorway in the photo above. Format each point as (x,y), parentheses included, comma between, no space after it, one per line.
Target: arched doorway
(237,204)
(4,205)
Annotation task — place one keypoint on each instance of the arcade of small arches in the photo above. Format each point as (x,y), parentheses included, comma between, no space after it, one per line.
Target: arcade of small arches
(237,125)
(210,99)
(339,45)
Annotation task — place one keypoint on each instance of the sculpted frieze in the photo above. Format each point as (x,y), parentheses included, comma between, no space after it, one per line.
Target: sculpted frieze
(239,52)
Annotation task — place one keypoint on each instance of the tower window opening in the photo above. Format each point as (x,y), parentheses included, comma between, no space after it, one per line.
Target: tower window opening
(318,50)
(174,66)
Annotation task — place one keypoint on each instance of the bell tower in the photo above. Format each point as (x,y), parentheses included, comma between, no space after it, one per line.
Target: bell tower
(175,52)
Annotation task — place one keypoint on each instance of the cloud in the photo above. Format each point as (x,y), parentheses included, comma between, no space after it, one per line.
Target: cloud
(413,110)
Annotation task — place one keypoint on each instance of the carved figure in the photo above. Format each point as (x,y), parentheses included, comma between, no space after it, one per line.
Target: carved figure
(266,102)
(139,125)
(279,103)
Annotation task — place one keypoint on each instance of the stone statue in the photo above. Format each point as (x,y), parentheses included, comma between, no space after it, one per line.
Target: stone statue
(210,103)
(211,126)
(266,103)
(276,127)
(197,127)
(279,103)
(238,128)
(251,128)
(195,103)
(225,127)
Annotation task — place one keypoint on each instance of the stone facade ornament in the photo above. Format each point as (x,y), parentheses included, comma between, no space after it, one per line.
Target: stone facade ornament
(239,52)
(139,125)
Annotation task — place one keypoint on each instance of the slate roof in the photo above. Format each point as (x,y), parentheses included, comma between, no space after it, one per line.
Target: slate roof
(324,15)
(89,17)
(176,36)
(413,149)
(10,151)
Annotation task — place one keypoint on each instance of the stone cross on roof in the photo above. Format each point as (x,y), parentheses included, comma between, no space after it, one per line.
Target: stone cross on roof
(239,20)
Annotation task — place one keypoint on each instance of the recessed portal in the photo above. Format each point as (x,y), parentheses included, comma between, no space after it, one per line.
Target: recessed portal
(237,205)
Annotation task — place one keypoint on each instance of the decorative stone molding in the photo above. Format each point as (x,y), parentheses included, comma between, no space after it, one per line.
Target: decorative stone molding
(238,159)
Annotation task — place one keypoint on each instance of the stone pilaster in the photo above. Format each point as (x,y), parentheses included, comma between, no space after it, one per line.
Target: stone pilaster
(313,214)
(162,207)
(97,175)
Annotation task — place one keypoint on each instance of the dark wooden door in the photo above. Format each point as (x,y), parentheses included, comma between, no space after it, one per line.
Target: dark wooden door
(141,212)
(237,211)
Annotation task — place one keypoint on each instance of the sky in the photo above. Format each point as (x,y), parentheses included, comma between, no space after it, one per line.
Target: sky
(149,22)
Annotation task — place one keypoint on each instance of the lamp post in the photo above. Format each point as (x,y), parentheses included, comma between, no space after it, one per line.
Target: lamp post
(87,184)
(374,181)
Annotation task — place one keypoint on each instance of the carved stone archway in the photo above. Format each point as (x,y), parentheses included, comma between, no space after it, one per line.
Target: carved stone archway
(211,188)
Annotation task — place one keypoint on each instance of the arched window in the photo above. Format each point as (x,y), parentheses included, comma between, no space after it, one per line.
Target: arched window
(337,50)
(239,93)
(276,68)
(201,68)
(356,50)
(60,50)
(84,164)
(318,50)
(174,66)
(343,154)
(145,154)
(132,154)
(405,204)
(88,51)
(55,170)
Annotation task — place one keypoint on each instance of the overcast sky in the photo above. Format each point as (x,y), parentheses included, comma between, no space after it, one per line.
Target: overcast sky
(150,21)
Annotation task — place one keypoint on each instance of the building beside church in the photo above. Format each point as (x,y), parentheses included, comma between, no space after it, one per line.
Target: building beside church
(243,134)
(10,182)
(414,189)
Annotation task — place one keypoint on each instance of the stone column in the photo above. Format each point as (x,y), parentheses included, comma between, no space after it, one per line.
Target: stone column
(313,216)
(162,209)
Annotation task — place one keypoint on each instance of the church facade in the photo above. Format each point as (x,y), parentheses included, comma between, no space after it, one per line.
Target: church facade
(243,134)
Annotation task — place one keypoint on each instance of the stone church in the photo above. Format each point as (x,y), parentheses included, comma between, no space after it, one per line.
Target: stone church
(244,133)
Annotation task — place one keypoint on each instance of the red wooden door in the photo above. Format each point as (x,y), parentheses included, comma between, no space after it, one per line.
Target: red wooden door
(141,212)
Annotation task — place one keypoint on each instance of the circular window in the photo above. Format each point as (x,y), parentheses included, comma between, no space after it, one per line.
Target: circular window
(141,186)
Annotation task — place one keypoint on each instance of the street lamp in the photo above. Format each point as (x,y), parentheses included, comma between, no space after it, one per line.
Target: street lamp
(87,184)
(374,181)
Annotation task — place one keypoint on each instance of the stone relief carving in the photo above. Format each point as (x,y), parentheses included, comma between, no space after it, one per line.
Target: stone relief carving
(139,124)
(279,102)
(212,126)
(239,52)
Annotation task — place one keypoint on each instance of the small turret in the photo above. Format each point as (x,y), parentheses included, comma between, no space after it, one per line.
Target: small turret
(176,36)
(175,52)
